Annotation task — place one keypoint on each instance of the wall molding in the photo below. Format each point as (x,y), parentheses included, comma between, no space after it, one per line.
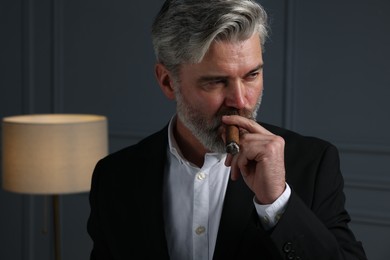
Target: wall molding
(28,104)
(127,135)
(363,148)
(27,235)
(27,57)
(367,184)
(369,219)
(288,84)
(57,57)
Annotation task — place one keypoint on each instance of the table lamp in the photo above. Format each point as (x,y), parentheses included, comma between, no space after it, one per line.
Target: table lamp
(52,154)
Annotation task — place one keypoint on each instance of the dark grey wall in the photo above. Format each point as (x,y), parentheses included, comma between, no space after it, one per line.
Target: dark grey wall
(326,74)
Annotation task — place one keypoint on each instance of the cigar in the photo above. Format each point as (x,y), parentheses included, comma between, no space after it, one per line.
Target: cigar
(232,139)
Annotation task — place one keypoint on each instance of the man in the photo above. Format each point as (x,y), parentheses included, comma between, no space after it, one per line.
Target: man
(178,195)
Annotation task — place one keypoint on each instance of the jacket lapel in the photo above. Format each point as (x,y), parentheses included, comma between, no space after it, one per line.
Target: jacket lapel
(237,213)
(154,152)
(240,234)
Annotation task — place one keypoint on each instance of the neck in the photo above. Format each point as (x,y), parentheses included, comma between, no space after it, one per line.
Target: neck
(191,149)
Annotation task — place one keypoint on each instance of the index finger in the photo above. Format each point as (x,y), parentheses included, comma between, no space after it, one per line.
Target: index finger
(249,125)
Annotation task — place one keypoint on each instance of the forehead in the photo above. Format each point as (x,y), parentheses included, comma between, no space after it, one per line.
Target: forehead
(226,56)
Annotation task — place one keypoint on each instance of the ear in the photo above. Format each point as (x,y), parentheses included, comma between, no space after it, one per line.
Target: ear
(165,81)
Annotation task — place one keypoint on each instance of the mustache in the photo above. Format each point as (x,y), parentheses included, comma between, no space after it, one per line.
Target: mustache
(228,111)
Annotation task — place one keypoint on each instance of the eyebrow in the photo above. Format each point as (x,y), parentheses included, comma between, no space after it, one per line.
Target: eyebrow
(204,79)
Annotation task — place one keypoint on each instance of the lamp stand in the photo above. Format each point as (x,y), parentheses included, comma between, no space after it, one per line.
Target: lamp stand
(57,227)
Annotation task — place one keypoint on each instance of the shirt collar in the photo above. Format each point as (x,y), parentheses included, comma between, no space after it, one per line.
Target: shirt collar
(175,150)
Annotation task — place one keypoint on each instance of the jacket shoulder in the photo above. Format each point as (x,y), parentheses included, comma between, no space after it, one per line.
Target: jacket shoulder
(146,148)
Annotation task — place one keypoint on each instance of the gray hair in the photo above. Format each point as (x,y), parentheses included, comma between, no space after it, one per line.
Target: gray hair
(183,30)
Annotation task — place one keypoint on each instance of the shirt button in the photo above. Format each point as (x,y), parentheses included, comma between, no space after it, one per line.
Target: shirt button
(291,255)
(201,176)
(200,230)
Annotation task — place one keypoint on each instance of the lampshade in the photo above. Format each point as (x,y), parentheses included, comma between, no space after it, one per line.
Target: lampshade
(52,153)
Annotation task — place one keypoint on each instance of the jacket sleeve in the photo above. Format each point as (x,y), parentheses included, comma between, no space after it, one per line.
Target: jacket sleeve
(318,230)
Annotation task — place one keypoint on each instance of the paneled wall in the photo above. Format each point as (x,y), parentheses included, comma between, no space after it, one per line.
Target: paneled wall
(326,75)
(339,91)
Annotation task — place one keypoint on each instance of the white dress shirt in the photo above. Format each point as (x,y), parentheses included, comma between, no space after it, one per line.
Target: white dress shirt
(193,199)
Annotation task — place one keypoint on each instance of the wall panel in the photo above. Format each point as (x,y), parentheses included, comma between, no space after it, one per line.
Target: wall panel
(326,74)
(339,93)
(109,64)
(341,71)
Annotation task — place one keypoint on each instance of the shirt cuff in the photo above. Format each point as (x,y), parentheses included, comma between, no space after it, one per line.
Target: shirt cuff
(270,214)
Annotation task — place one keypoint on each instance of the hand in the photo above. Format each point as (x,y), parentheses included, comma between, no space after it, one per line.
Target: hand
(260,160)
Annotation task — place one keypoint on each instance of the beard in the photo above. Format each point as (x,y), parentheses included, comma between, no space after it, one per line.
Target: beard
(204,128)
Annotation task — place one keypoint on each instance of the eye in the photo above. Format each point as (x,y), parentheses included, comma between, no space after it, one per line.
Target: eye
(214,84)
(219,82)
(253,75)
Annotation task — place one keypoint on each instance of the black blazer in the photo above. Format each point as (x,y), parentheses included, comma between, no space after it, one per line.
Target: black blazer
(126,218)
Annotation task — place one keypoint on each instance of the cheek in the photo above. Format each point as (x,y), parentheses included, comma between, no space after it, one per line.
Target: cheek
(253,94)
(202,101)
(210,104)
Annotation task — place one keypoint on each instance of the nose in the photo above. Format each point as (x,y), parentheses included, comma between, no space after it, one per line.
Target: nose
(235,95)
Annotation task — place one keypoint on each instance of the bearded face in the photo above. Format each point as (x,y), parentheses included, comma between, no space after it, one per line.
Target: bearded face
(229,79)
(207,128)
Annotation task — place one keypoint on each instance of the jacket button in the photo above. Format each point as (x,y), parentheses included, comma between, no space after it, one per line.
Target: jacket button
(287,247)
(291,255)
